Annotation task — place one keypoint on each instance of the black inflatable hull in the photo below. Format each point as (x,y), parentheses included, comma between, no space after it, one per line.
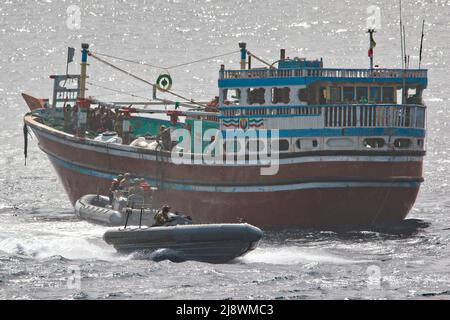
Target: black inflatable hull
(215,243)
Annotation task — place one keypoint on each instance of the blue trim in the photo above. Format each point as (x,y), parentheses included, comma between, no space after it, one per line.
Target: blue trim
(243,54)
(265,116)
(259,107)
(339,69)
(84,56)
(301,106)
(245,189)
(352,132)
(348,132)
(295,81)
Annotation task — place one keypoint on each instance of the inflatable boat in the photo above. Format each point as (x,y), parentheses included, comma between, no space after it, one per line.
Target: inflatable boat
(96,208)
(211,243)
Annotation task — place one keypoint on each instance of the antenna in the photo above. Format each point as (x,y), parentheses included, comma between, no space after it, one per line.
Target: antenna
(372,45)
(404,46)
(421,44)
(401,36)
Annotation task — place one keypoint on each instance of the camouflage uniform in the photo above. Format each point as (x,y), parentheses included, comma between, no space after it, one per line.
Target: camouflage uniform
(161,218)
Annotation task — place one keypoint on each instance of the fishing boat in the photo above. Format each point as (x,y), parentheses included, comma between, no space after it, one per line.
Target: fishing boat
(345,146)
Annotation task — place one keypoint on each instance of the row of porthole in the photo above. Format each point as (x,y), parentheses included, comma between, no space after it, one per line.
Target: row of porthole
(400,143)
(369,143)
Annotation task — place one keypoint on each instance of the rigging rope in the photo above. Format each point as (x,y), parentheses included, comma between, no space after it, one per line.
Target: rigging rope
(117,91)
(260,60)
(128,60)
(160,67)
(201,60)
(143,80)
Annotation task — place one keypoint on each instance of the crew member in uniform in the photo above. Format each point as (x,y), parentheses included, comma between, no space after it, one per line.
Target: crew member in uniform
(162,216)
(115,185)
(165,137)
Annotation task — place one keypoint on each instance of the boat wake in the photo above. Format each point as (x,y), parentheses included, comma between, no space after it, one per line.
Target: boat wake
(34,237)
(65,247)
(293,255)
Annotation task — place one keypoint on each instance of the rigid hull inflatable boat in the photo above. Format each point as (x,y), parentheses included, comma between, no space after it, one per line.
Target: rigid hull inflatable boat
(96,208)
(212,243)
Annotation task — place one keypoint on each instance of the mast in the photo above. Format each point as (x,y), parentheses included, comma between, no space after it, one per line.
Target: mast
(82,102)
(84,64)
(243,47)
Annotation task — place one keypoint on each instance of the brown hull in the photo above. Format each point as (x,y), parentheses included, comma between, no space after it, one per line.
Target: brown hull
(305,194)
(302,208)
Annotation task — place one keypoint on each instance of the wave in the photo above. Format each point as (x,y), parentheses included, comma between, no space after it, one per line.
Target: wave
(292,255)
(66,247)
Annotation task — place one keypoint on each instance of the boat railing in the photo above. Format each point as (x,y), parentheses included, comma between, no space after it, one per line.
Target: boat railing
(320,72)
(136,201)
(404,116)
(337,115)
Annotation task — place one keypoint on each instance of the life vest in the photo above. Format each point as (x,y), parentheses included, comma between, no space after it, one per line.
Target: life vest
(115,185)
(145,186)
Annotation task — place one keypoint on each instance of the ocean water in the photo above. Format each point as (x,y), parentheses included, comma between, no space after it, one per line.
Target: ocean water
(44,247)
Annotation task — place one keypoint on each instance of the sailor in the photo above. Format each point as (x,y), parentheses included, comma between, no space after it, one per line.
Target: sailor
(107,120)
(115,185)
(147,192)
(136,194)
(136,188)
(212,105)
(118,119)
(126,182)
(162,216)
(74,118)
(165,138)
(67,115)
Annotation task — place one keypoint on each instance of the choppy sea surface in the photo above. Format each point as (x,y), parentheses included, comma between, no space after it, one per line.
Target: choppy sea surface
(44,247)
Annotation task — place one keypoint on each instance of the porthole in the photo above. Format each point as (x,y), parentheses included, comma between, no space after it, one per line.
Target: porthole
(283,145)
(374,143)
(402,143)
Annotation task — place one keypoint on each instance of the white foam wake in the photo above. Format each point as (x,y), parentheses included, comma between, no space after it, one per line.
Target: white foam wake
(293,255)
(40,240)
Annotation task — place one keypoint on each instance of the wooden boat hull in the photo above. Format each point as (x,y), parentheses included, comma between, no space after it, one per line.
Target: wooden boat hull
(319,191)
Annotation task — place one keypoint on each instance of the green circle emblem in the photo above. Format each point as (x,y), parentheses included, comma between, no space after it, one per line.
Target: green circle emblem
(164,82)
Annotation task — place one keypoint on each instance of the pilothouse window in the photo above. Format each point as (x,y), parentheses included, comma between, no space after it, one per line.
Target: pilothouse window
(335,94)
(281,95)
(362,94)
(256,96)
(375,94)
(231,96)
(388,94)
(349,94)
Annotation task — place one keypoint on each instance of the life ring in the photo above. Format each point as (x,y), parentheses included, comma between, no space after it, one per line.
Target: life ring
(164,82)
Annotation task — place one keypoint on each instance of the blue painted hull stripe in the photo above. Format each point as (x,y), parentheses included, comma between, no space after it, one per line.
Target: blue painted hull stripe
(242,189)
